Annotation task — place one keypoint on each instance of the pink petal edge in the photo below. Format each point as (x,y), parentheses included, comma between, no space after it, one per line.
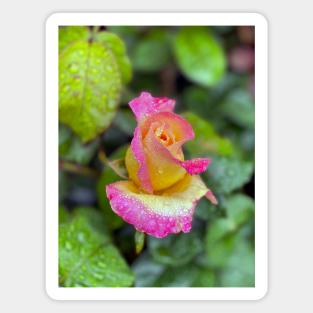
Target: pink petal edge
(192,167)
(146,105)
(144,220)
(195,166)
(143,172)
(210,196)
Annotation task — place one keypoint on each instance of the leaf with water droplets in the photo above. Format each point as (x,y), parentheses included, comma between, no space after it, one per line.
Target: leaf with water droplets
(118,48)
(150,273)
(87,257)
(89,88)
(189,275)
(227,174)
(70,34)
(230,242)
(175,249)
(223,233)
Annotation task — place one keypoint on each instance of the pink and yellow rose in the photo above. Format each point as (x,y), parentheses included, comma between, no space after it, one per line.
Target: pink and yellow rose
(164,188)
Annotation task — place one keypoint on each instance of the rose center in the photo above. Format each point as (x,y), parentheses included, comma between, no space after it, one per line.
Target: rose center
(165,137)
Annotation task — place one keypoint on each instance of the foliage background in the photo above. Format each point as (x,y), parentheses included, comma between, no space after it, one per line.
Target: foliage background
(210,72)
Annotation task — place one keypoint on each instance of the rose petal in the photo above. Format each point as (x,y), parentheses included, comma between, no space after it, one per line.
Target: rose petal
(195,166)
(210,196)
(140,173)
(164,172)
(146,105)
(158,215)
(181,129)
(162,157)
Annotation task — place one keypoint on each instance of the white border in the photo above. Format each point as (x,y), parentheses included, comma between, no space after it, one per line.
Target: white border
(261,168)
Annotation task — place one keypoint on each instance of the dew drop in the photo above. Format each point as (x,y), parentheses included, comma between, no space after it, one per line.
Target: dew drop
(160,171)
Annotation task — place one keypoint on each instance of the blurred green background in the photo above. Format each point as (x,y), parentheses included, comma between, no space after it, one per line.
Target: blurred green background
(210,73)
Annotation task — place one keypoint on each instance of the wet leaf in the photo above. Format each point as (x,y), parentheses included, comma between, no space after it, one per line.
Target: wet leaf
(239,270)
(146,270)
(224,235)
(175,249)
(186,276)
(205,210)
(118,48)
(87,258)
(233,256)
(227,174)
(89,88)
(70,34)
(239,208)
(150,273)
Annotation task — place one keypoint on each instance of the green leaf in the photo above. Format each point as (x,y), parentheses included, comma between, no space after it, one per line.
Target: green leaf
(146,270)
(150,55)
(129,34)
(227,174)
(150,273)
(233,256)
(199,56)
(118,48)
(218,229)
(239,270)
(239,208)
(175,249)
(224,234)
(89,88)
(72,149)
(239,108)
(207,141)
(186,276)
(108,176)
(205,102)
(70,34)
(205,210)
(204,278)
(87,258)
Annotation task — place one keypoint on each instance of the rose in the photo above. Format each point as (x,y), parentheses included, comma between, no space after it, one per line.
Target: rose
(163,190)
